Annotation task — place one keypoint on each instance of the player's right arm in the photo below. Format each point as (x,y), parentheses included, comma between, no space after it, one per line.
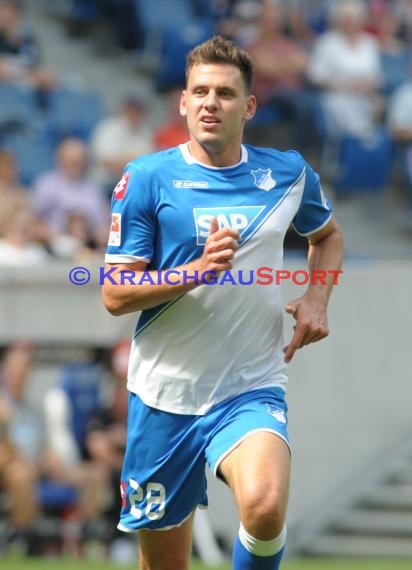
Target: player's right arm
(140,289)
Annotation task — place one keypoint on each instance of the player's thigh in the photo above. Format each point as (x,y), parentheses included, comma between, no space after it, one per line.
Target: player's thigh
(258,472)
(249,449)
(166,549)
(163,477)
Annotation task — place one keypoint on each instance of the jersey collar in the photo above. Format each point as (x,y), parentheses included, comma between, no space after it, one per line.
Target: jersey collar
(189,159)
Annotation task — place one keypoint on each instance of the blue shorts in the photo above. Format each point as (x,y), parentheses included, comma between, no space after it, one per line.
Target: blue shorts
(163,478)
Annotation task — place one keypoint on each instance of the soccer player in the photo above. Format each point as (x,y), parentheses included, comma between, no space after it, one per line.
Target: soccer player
(207,370)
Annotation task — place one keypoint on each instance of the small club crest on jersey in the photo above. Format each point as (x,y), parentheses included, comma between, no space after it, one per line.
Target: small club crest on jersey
(263,178)
(120,188)
(277,413)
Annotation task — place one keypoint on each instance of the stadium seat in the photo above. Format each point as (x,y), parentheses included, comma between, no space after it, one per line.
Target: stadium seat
(158,15)
(265,116)
(52,495)
(177,42)
(80,382)
(212,10)
(69,406)
(85,10)
(73,112)
(396,68)
(154,18)
(34,155)
(364,166)
(18,107)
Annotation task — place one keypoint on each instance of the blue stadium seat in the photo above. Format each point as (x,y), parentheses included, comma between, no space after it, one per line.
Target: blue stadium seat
(213,10)
(85,10)
(154,18)
(396,70)
(265,116)
(18,107)
(34,155)
(80,386)
(81,383)
(364,166)
(177,42)
(73,112)
(54,495)
(158,15)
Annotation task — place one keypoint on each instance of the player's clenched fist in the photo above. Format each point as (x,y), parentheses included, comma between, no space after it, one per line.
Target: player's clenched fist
(220,248)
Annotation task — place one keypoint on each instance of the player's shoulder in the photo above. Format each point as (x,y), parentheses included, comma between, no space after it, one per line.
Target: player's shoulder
(291,159)
(150,163)
(141,175)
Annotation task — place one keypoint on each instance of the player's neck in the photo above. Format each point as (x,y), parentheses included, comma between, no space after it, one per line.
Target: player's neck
(210,156)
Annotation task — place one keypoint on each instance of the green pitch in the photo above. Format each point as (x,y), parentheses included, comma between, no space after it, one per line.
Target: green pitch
(18,563)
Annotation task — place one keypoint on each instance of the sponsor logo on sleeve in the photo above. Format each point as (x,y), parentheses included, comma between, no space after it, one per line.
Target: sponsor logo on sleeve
(123,493)
(115,230)
(120,189)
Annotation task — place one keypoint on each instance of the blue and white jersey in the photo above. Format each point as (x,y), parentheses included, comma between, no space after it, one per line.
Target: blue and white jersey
(220,340)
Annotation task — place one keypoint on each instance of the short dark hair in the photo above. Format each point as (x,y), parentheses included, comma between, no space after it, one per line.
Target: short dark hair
(221,50)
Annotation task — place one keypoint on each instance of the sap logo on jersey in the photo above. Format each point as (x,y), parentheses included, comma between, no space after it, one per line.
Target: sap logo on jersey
(236,217)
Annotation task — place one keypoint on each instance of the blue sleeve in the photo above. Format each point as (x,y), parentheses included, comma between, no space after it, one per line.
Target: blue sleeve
(315,209)
(131,235)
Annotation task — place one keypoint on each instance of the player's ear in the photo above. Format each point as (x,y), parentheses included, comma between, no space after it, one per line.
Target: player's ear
(182,106)
(250,107)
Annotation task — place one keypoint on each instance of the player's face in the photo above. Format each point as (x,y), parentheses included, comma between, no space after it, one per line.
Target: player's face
(216,105)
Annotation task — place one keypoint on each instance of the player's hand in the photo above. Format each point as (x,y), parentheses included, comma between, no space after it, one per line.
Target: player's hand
(311,323)
(220,248)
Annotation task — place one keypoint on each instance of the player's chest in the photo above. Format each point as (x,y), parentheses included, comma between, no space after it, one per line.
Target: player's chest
(185,207)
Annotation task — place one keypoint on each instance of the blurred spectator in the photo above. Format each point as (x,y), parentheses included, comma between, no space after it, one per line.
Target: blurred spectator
(69,190)
(68,406)
(399,122)
(173,131)
(376,11)
(403,10)
(106,430)
(241,24)
(309,19)
(118,139)
(12,194)
(345,65)
(394,52)
(22,437)
(18,246)
(280,70)
(76,241)
(280,64)
(19,52)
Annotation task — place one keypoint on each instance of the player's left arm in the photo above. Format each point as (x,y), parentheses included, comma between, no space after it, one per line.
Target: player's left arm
(310,310)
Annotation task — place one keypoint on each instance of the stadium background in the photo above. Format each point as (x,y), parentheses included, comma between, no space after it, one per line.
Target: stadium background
(349,396)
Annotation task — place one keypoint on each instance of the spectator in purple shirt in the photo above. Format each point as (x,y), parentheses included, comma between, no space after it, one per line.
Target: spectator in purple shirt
(69,190)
